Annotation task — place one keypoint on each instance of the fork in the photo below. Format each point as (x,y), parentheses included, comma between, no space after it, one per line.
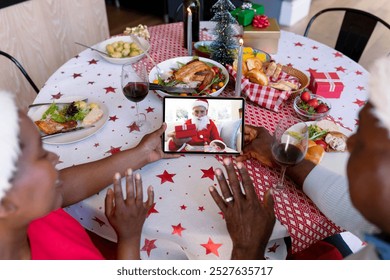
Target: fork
(160,72)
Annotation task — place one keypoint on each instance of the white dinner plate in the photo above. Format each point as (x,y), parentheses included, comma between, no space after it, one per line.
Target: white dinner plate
(335,161)
(123,60)
(167,66)
(35,114)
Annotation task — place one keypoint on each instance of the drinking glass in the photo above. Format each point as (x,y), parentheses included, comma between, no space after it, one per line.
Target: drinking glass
(289,145)
(135,86)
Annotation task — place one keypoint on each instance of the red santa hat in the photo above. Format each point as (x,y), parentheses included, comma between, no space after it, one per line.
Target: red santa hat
(9,140)
(201,102)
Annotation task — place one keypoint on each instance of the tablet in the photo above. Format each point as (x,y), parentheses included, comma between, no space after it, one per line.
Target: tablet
(203,125)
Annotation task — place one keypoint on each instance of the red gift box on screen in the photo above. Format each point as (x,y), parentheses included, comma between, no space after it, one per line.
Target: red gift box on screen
(185,130)
(326,84)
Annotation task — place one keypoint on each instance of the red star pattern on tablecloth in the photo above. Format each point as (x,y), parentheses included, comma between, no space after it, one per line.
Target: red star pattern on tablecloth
(113,118)
(201,208)
(100,222)
(359,102)
(76,75)
(149,110)
(96,145)
(356,122)
(311,70)
(110,89)
(298,44)
(222,215)
(208,173)
(359,73)
(114,150)
(149,246)
(133,127)
(91,82)
(315,58)
(273,248)
(360,88)
(338,54)
(152,210)
(341,69)
(314,47)
(57,96)
(177,229)
(183,207)
(93,61)
(166,177)
(211,247)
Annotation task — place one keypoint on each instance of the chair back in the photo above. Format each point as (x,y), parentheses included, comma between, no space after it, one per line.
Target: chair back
(355,31)
(21,68)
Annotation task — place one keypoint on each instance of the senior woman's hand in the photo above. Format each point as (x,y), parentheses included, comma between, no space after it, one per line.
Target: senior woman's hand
(257,145)
(249,221)
(127,215)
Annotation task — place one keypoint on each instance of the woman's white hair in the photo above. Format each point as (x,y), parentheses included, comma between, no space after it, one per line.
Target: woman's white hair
(9,140)
(380,91)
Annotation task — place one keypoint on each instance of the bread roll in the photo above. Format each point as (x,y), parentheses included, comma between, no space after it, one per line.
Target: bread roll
(257,76)
(271,69)
(315,154)
(244,67)
(280,86)
(254,63)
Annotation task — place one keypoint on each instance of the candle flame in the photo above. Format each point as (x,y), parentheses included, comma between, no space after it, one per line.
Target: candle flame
(189,11)
(241,42)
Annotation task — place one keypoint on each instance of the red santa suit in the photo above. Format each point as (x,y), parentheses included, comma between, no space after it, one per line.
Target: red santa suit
(203,136)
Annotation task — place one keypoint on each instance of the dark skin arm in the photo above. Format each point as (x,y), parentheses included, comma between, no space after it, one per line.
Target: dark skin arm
(257,145)
(77,181)
(249,221)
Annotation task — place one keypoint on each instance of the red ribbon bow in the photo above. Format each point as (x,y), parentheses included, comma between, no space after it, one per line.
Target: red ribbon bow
(260,21)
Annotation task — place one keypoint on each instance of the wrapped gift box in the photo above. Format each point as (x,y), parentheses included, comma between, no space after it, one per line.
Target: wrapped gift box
(245,16)
(326,84)
(265,39)
(185,130)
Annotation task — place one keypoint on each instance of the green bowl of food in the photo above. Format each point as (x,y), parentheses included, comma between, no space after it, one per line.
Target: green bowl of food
(203,48)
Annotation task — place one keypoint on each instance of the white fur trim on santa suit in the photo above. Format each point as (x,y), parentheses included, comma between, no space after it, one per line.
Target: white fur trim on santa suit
(201,102)
(379,89)
(9,140)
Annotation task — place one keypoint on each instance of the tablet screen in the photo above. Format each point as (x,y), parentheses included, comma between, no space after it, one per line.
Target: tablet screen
(211,125)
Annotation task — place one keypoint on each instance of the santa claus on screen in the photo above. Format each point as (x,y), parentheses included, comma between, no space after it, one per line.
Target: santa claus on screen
(206,130)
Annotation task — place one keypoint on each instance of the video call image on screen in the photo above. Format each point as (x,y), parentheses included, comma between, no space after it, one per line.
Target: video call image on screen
(203,125)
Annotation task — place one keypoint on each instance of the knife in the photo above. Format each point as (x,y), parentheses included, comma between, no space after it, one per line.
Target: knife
(66,131)
(153,86)
(49,103)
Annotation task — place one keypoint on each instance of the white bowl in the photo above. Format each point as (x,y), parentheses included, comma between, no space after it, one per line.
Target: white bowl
(133,59)
(167,66)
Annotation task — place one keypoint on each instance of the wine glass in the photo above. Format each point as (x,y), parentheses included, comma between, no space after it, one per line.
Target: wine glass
(289,145)
(135,86)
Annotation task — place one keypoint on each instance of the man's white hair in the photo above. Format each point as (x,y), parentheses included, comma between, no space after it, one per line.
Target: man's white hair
(9,140)
(380,91)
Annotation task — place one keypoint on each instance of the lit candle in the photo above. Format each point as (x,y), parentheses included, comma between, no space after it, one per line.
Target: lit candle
(239,69)
(189,32)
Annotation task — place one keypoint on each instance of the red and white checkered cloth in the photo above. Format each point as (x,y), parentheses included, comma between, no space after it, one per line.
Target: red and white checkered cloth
(265,96)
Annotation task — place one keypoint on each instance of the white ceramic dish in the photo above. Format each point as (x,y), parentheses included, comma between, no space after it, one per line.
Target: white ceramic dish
(102,47)
(71,137)
(334,161)
(167,66)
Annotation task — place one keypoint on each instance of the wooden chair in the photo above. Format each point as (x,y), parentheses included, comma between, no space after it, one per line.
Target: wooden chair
(355,31)
(24,72)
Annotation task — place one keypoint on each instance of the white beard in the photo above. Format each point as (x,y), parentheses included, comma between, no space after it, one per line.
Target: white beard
(200,123)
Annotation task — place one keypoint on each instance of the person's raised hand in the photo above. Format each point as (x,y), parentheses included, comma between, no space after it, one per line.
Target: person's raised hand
(151,144)
(249,221)
(257,145)
(127,215)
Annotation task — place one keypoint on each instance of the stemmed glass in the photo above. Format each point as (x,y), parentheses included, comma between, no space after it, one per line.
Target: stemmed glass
(289,145)
(135,85)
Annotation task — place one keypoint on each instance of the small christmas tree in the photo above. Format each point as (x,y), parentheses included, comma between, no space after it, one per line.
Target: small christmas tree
(223,48)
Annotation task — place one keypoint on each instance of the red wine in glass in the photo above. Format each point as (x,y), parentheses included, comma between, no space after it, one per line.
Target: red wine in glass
(287,155)
(289,145)
(135,92)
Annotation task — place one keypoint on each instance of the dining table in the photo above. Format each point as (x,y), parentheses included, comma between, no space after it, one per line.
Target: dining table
(184,221)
